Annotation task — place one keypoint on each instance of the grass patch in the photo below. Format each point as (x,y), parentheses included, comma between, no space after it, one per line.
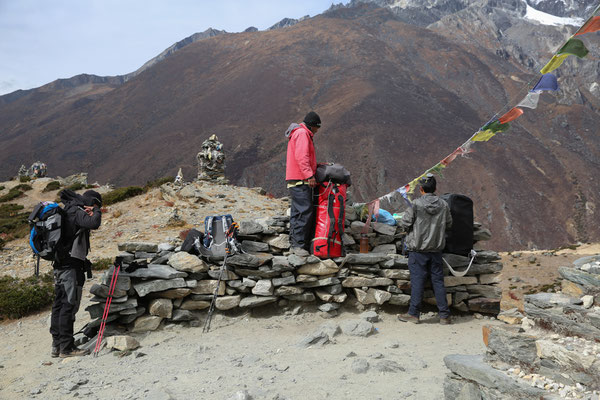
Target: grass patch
(12,194)
(13,221)
(23,187)
(121,194)
(24,178)
(15,192)
(19,297)
(76,186)
(159,182)
(102,264)
(51,186)
(2,187)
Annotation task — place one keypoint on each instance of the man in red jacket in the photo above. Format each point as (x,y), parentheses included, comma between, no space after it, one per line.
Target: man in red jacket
(301,166)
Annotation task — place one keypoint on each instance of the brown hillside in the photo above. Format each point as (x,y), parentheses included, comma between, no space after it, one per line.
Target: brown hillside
(394,100)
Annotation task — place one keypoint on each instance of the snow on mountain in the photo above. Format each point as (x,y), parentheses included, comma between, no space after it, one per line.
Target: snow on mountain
(549,19)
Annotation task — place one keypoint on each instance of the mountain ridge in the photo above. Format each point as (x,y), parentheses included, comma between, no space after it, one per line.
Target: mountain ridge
(403,93)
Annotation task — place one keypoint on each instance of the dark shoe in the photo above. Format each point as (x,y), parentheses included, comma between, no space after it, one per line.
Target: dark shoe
(54,352)
(408,318)
(75,352)
(299,251)
(446,321)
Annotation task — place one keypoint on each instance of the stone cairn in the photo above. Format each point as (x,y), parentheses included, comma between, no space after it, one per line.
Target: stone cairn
(211,161)
(177,286)
(37,170)
(554,353)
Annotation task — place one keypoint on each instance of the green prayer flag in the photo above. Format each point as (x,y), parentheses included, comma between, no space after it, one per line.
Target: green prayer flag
(437,169)
(574,47)
(496,127)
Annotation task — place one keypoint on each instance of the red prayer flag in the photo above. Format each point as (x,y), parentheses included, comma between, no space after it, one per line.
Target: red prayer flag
(511,115)
(592,26)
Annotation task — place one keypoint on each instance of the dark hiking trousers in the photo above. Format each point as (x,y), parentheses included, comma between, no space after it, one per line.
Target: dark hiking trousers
(422,265)
(302,216)
(68,285)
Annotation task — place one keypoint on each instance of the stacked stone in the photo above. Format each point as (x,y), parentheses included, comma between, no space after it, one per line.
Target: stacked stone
(176,285)
(555,353)
(475,292)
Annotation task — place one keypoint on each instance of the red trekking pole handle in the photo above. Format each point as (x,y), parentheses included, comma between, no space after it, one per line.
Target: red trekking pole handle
(111,290)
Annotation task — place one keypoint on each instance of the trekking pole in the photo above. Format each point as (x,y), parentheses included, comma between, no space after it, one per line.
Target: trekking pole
(206,327)
(111,290)
(229,235)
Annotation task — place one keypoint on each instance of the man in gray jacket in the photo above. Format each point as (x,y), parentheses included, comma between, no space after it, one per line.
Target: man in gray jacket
(426,223)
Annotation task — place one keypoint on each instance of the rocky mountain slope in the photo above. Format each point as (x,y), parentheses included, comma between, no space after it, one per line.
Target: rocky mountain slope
(406,90)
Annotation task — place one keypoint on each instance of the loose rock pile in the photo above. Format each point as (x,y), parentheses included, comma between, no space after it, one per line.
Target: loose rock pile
(555,353)
(176,286)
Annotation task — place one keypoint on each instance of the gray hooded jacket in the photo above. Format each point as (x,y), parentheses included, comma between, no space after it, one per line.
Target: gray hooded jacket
(426,223)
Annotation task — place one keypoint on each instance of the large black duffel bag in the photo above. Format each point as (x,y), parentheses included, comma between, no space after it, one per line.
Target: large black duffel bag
(459,238)
(335,173)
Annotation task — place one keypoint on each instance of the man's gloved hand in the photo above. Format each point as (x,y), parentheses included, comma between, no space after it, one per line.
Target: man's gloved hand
(312,182)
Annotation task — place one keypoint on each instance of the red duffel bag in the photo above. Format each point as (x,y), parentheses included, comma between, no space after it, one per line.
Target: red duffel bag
(329,225)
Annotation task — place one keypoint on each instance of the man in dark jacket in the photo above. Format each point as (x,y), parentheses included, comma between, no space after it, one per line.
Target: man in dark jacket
(82,214)
(301,166)
(426,223)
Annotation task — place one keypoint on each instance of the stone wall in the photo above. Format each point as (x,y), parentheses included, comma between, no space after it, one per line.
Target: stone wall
(554,353)
(177,286)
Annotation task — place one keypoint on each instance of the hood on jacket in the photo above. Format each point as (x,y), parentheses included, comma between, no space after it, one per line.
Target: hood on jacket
(432,204)
(291,128)
(69,197)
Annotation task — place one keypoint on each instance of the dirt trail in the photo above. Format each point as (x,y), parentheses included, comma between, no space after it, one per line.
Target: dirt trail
(258,354)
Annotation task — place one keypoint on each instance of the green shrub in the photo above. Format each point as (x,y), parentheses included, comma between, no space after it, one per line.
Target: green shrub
(12,194)
(121,194)
(2,187)
(76,186)
(102,264)
(19,297)
(23,187)
(159,182)
(24,178)
(53,185)
(13,222)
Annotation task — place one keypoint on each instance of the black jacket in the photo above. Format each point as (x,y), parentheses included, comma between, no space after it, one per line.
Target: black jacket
(77,228)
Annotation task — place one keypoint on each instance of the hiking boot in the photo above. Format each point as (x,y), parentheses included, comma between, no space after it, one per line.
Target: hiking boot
(299,251)
(408,318)
(446,321)
(54,352)
(74,352)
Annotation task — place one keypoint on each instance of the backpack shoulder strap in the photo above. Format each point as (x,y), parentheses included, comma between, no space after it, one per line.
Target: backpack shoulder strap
(341,215)
(35,212)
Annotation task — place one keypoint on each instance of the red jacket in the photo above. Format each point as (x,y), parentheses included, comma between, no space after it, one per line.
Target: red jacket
(301,162)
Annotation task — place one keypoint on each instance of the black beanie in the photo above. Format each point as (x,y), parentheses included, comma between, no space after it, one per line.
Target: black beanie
(312,119)
(92,198)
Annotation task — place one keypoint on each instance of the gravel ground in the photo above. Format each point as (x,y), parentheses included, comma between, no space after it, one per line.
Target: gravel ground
(243,356)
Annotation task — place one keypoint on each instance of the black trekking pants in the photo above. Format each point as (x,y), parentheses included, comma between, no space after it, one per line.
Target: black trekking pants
(68,286)
(302,216)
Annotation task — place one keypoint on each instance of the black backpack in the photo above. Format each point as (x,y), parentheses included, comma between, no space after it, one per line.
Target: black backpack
(459,238)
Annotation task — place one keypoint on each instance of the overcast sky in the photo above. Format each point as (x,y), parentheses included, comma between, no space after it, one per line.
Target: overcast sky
(43,40)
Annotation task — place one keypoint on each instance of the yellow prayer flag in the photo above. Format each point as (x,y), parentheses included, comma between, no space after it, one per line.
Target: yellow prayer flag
(554,63)
(483,136)
(412,186)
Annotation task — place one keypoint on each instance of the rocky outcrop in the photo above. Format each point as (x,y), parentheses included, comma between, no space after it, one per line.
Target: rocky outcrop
(555,353)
